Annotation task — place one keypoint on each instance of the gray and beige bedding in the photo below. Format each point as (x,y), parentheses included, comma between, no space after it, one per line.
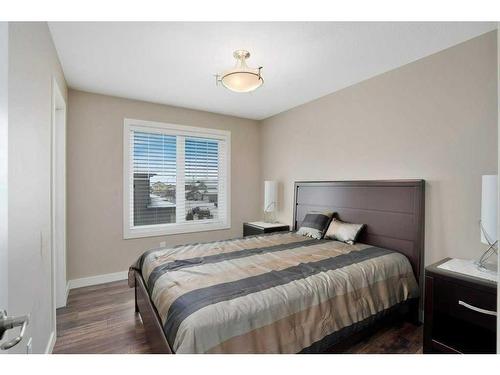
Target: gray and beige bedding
(276,293)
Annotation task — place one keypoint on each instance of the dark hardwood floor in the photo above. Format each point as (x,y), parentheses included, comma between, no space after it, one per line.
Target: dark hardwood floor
(101,319)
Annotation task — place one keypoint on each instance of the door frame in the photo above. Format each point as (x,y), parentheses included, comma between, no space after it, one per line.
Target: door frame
(58,199)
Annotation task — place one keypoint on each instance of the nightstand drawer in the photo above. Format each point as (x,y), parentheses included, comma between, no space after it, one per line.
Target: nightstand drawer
(466,304)
(250,230)
(460,312)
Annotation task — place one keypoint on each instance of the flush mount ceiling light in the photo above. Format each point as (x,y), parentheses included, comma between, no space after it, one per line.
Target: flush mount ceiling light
(241,78)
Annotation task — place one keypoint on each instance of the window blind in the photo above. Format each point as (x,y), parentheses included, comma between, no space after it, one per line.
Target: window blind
(154,178)
(177,180)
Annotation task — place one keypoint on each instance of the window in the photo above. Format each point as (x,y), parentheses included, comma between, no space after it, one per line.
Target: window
(176,179)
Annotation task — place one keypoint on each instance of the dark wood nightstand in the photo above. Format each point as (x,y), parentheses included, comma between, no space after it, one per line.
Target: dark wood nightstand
(460,312)
(260,227)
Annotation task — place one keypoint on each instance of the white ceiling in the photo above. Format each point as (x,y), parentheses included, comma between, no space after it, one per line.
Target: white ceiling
(174,63)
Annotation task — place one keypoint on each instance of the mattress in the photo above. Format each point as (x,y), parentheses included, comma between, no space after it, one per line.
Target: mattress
(274,293)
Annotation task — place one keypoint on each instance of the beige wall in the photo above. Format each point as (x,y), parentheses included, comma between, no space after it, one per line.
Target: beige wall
(434,119)
(498,209)
(95,179)
(33,64)
(4,127)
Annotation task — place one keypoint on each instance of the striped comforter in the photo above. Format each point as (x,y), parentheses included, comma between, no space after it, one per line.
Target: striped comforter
(278,293)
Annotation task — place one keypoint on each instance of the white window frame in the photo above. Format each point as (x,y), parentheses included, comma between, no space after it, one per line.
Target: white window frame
(172,228)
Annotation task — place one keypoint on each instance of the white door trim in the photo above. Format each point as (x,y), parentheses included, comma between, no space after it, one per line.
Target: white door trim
(58,198)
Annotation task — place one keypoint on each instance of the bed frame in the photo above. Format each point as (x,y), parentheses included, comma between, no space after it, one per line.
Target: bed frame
(393,211)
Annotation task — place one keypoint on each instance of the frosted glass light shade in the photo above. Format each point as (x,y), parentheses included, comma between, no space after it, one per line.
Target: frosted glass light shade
(270,196)
(489,200)
(241,78)
(241,81)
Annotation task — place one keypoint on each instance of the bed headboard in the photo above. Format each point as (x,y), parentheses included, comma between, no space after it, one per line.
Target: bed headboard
(392,210)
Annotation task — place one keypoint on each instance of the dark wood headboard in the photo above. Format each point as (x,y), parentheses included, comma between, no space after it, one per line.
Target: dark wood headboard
(392,210)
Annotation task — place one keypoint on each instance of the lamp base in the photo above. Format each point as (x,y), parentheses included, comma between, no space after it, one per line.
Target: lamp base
(488,267)
(270,217)
(482,262)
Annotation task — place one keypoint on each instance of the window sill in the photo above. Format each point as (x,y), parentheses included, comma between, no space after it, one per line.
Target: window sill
(155,231)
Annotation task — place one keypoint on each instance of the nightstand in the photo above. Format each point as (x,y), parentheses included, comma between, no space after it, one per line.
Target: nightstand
(460,312)
(260,227)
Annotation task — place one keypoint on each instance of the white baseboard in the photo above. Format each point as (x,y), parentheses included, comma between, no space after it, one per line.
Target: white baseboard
(51,343)
(64,302)
(98,279)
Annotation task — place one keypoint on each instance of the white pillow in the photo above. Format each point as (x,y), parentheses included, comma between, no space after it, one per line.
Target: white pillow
(345,232)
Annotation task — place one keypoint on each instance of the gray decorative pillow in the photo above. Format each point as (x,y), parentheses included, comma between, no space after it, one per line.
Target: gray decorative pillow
(345,232)
(315,224)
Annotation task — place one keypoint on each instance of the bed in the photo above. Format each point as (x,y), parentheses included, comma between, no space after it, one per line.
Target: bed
(286,293)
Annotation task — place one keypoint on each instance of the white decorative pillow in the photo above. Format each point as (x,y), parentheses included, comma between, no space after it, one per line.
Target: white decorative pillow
(341,231)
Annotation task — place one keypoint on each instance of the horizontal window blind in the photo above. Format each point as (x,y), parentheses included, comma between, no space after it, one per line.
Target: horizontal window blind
(154,178)
(176,179)
(201,171)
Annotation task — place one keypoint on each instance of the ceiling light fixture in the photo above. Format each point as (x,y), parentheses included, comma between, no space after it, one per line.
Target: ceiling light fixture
(241,78)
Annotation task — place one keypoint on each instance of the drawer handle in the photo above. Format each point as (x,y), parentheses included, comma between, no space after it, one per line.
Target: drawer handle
(478,309)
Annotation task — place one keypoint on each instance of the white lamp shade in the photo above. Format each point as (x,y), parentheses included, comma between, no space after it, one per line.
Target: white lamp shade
(270,196)
(489,200)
